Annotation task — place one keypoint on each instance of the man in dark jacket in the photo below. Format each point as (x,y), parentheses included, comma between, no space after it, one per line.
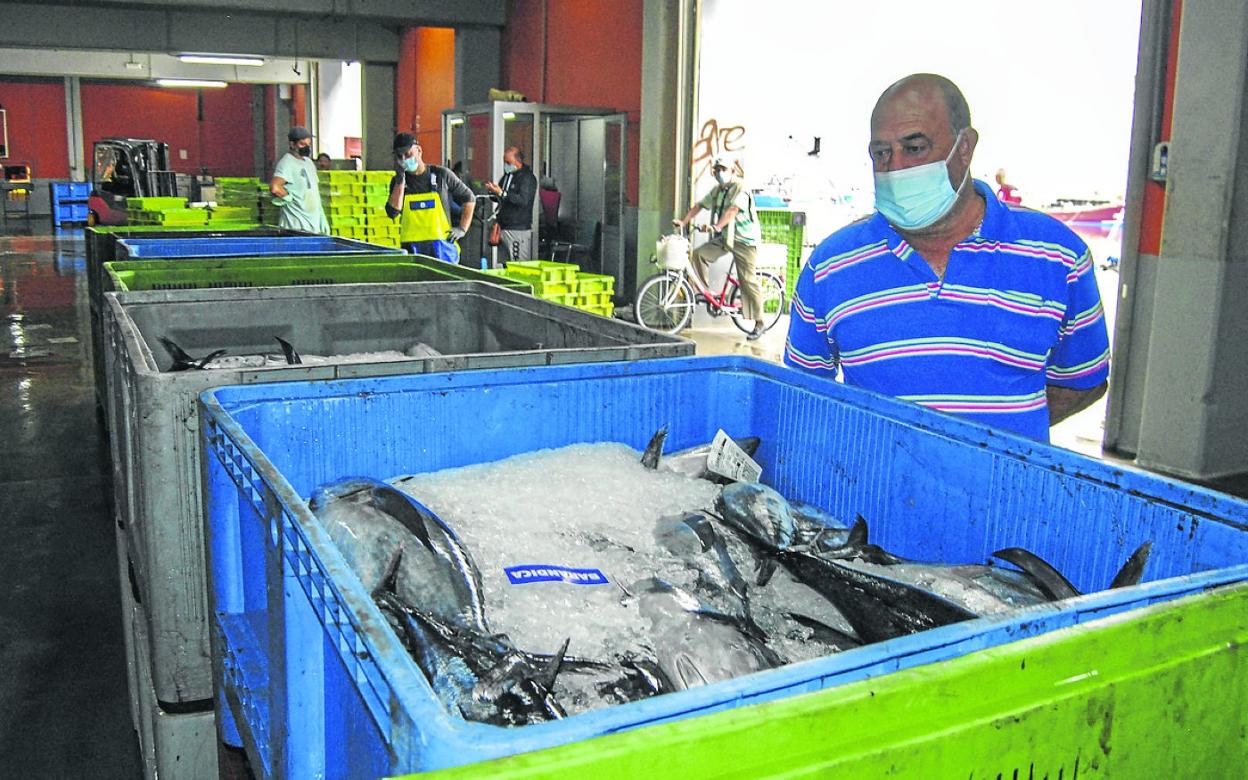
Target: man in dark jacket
(515,193)
(420,195)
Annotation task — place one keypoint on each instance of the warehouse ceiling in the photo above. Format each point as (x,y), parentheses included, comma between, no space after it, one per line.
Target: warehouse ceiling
(364,30)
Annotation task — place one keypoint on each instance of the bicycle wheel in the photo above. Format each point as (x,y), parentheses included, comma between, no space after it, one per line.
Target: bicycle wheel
(664,303)
(772,290)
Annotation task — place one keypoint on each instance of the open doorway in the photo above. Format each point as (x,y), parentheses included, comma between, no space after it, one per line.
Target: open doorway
(1050,86)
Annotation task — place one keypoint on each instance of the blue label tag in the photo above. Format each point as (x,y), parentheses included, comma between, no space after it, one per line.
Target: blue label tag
(420,205)
(538,572)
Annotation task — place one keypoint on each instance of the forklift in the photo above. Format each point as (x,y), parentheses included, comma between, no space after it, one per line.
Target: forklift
(127,168)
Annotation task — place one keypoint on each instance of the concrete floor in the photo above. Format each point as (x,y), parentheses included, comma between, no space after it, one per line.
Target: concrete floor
(63,708)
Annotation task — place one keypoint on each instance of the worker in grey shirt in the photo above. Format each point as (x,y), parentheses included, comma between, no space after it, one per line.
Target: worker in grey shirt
(294,186)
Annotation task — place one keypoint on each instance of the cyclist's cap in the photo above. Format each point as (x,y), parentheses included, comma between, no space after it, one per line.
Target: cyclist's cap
(723,161)
(403,142)
(298,133)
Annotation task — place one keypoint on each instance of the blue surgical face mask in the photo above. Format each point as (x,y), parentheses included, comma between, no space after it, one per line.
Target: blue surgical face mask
(410,164)
(914,198)
(509,168)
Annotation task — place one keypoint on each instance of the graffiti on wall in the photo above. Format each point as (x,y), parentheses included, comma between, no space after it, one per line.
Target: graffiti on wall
(714,140)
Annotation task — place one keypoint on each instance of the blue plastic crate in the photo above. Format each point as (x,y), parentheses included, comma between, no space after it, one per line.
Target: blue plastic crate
(241,246)
(311,683)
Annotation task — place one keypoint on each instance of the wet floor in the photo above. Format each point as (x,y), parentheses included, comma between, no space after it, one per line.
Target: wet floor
(64,708)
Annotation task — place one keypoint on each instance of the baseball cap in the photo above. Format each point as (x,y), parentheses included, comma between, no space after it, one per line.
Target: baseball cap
(723,161)
(298,133)
(403,142)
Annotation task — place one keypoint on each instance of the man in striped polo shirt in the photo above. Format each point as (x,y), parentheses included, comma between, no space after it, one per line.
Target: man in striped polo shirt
(946,296)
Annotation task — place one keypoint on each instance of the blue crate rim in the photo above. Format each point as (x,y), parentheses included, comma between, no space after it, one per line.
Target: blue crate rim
(904,652)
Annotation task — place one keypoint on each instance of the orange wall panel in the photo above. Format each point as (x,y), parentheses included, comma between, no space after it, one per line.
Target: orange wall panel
(435,64)
(425,85)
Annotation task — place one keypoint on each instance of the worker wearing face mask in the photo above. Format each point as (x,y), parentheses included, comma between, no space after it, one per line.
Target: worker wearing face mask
(294,186)
(420,197)
(515,193)
(946,296)
(734,229)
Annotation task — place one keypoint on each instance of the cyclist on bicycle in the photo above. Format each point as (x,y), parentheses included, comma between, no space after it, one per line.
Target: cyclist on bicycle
(734,228)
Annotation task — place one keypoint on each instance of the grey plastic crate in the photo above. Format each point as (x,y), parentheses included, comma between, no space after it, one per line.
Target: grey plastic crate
(171,746)
(154,421)
(102,248)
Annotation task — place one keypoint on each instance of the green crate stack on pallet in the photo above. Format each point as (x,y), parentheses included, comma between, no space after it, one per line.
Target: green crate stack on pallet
(564,283)
(355,205)
(238,199)
(782,226)
(163,211)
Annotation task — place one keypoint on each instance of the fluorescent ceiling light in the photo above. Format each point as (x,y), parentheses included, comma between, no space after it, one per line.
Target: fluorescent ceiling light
(189,83)
(220,59)
(509,115)
(457,120)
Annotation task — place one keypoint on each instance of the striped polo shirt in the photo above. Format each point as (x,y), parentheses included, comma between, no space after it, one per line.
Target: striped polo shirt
(1018,309)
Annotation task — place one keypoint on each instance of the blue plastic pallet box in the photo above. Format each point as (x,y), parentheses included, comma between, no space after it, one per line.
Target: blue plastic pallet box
(241,246)
(312,682)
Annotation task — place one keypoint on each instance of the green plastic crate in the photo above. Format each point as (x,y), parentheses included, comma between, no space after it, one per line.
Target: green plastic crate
(154,204)
(595,283)
(543,271)
(782,226)
(1155,692)
(131,275)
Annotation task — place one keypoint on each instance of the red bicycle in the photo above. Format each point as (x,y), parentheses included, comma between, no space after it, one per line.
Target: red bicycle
(666,300)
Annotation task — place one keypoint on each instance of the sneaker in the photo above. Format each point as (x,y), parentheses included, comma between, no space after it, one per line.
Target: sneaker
(755,334)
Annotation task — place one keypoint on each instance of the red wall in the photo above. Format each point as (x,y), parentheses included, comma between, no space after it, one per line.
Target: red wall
(590,55)
(221,141)
(36,118)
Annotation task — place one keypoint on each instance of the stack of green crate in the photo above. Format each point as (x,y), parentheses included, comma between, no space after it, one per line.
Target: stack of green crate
(594,293)
(355,205)
(564,283)
(163,211)
(782,226)
(243,192)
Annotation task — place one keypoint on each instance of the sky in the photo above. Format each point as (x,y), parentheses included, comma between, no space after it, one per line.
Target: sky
(1050,85)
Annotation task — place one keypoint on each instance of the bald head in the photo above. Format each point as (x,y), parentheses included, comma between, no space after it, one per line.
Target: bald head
(929,91)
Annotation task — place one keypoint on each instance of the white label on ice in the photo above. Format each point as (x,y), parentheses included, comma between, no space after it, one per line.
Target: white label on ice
(729,460)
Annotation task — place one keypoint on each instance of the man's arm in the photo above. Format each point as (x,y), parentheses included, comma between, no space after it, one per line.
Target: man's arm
(693,212)
(725,219)
(465,215)
(277,187)
(1063,401)
(398,187)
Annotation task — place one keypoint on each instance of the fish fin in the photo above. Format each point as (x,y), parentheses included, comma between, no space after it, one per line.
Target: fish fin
(858,534)
(654,450)
(551,670)
(181,360)
(766,570)
(203,364)
(687,672)
(292,355)
(824,632)
(401,507)
(1042,574)
(1133,569)
(389,580)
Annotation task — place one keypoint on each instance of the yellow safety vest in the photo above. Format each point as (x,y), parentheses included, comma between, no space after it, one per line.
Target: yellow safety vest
(423,219)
